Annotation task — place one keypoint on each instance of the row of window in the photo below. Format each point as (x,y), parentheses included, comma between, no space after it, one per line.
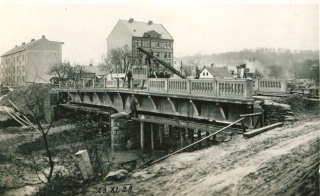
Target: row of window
(160,55)
(12,69)
(14,79)
(151,44)
(13,59)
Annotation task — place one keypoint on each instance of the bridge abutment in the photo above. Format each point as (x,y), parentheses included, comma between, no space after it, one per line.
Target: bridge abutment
(124,132)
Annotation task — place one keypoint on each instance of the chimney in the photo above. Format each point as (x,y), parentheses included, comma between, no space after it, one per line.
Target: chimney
(23,43)
(150,22)
(32,40)
(212,64)
(131,20)
(43,36)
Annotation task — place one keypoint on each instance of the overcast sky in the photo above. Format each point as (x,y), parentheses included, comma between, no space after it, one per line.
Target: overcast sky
(196,27)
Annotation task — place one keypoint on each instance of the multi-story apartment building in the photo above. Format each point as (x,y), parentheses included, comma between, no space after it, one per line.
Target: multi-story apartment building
(29,62)
(148,35)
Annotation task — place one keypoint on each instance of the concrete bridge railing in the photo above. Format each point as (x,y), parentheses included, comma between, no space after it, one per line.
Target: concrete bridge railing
(216,88)
(270,85)
(241,88)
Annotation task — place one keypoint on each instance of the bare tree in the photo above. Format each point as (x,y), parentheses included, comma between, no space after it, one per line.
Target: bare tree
(118,60)
(60,70)
(194,61)
(275,71)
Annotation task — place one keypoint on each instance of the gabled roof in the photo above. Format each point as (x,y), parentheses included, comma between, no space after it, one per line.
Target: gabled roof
(137,29)
(24,46)
(19,48)
(219,72)
(94,69)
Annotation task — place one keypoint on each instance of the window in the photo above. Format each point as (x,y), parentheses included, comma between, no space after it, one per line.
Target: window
(17,58)
(203,74)
(207,73)
(148,44)
(165,45)
(165,55)
(169,45)
(157,44)
(23,57)
(139,43)
(169,55)
(135,43)
(157,54)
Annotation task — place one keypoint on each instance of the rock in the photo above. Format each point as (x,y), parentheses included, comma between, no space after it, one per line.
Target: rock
(143,174)
(117,175)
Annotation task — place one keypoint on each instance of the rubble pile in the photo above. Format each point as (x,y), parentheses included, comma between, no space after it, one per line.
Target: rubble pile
(277,112)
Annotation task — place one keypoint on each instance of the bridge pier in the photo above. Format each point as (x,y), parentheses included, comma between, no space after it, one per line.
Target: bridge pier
(124,132)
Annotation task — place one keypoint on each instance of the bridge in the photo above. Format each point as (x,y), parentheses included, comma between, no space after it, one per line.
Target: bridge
(196,104)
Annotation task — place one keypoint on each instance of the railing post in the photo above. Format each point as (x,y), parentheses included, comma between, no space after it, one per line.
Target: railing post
(189,86)
(166,84)
(117,82)
(83,83)
(217,87)
(104,82)
(258,83)
(131,83)
(67,85)
(94,83)
(74,84)
(60,84)
(248,88)
(284,86)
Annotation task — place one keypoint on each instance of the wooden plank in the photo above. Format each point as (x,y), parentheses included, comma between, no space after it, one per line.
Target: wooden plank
(142,136)
(261,130)
(152,136)
(247,115)
(181,123)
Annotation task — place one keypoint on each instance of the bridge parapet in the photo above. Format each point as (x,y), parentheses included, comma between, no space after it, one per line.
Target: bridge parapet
(270,85)
(213,88)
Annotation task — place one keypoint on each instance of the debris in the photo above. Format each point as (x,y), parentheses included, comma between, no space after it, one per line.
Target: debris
(116,175)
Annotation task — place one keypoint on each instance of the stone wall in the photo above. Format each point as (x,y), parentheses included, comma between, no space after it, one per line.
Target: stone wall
(50,103)
(124,132)
(276,112)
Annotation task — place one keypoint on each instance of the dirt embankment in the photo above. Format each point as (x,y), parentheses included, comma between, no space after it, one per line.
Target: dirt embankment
(283,161)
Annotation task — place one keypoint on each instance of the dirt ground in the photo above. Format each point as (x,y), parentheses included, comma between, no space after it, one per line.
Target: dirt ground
(282,161)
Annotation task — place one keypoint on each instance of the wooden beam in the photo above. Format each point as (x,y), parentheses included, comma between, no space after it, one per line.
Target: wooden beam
(261,130)
(199,138)
(152,136)
(142,136)
(182,123)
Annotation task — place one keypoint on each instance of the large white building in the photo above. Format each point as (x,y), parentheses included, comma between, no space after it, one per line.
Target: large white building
(29,62)
(147,35)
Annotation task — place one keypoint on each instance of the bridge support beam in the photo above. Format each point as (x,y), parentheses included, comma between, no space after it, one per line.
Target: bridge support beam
(142,136)
(152,136)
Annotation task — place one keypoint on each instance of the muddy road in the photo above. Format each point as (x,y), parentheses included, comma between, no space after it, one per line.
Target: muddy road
(282,161)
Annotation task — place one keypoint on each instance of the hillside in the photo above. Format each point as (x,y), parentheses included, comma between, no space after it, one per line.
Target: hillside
(258,59)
